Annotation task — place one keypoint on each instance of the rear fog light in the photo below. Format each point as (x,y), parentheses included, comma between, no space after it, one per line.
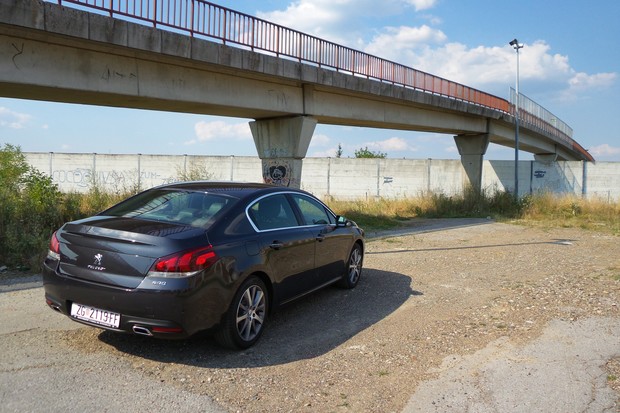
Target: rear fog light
(167,330)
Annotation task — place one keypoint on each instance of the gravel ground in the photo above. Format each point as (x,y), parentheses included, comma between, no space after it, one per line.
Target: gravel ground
(443,290)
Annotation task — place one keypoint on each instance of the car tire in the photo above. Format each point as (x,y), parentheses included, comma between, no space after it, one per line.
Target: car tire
(245,320)
(353,269)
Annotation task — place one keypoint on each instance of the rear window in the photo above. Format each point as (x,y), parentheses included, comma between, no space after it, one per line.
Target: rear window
(197,209)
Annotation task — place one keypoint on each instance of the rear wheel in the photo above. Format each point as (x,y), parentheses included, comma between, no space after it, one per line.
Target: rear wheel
(353,270)
(245,320)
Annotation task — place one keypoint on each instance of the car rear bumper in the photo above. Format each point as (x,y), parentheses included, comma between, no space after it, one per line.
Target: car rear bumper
(178,311)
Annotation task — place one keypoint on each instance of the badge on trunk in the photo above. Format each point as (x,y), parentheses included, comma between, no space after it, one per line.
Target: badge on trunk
(96,265)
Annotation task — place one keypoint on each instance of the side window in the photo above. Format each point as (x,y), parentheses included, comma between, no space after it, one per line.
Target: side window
(313,212)
(272,212)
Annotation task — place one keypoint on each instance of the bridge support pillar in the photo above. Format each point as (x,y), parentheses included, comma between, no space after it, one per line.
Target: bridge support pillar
(545,157)
(472,149)
(282,144)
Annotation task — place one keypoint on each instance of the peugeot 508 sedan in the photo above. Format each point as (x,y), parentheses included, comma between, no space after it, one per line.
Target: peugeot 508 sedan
(181,258)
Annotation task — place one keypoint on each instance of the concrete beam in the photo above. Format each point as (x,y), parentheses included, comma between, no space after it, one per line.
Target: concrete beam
(472,149)
(342,107)
(282,144)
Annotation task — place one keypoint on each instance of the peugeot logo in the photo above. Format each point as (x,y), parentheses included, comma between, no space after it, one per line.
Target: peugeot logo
(96,265)
(98,259)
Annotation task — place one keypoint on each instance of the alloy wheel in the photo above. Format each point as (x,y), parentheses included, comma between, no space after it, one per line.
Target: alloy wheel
(250,314)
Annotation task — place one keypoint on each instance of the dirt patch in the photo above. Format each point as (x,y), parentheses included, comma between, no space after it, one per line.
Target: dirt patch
(613,374)
(423,297)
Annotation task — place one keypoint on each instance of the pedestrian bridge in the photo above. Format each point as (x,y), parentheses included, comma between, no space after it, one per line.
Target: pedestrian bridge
(196,57)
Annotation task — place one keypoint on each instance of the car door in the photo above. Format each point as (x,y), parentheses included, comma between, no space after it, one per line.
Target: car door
(288,247)
(332,243)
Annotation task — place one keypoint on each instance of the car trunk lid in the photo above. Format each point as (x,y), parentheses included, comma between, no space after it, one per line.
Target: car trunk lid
(120,251)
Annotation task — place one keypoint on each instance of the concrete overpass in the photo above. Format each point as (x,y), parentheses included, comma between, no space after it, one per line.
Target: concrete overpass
(53,53)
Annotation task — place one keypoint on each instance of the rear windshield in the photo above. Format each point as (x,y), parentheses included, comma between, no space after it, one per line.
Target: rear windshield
(197,209)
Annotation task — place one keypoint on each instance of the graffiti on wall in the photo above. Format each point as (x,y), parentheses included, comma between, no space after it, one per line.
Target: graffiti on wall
(277,172)
(81,177)
(115,180)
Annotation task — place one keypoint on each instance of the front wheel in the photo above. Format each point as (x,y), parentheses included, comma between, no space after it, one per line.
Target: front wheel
(353,270)
(245,320)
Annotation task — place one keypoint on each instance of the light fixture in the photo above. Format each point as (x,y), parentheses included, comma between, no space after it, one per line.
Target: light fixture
(516,45)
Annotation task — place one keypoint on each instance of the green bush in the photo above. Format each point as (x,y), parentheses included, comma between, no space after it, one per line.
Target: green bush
(71,208)
(29,210)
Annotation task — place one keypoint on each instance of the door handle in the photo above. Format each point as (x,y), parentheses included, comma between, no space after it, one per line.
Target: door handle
(276,245)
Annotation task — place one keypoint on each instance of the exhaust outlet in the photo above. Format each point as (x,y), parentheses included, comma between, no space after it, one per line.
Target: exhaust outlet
(53,305)
(142,330)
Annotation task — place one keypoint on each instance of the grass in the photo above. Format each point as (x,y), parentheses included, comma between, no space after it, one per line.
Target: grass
(572,212)
(544,209)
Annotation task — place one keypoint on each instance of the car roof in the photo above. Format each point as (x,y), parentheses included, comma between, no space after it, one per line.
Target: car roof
(236,189)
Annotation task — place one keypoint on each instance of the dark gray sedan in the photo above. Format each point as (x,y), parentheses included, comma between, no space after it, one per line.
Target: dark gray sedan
(181,258)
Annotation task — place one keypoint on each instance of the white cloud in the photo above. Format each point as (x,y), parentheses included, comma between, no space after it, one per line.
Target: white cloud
(327,153)
(484,67)
(404,39)
(475,66)
(394,144)
(319,140)
(581,84)
(422,4)
(322,18)
(452,149)
(339,21)
(537,62)
(582,80)
(604,151)
(206,131)
(13,120)
(432,138)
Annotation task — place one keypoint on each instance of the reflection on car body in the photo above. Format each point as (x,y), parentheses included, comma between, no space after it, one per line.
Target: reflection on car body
(185,257)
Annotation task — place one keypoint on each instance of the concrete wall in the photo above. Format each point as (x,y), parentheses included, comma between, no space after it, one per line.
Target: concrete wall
(342,178)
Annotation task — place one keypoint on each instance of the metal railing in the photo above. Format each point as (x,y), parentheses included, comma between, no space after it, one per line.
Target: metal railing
(203,18)
(532,114)
(538,116)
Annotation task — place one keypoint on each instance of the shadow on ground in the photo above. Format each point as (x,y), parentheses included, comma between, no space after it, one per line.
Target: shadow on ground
(306,329)
(423,225)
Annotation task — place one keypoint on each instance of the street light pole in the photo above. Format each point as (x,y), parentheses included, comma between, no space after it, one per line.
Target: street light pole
(516,45)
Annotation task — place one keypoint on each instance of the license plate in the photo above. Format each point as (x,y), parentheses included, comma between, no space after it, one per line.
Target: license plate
(95,315)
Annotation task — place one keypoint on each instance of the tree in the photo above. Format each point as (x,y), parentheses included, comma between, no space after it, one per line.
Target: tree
(366,153)
(339,151)
(13,168)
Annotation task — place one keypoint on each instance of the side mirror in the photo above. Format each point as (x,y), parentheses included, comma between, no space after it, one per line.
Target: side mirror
(342,221)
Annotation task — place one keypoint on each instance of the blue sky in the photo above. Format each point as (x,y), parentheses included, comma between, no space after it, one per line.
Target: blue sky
(570,64)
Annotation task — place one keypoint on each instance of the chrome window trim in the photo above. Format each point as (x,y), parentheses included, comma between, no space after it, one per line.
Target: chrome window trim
(247,213)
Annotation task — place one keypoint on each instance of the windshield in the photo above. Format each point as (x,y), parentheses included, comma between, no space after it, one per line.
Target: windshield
(197,209)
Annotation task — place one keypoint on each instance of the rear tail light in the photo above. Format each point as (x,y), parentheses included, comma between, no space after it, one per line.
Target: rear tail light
(183,264)
(54,251)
